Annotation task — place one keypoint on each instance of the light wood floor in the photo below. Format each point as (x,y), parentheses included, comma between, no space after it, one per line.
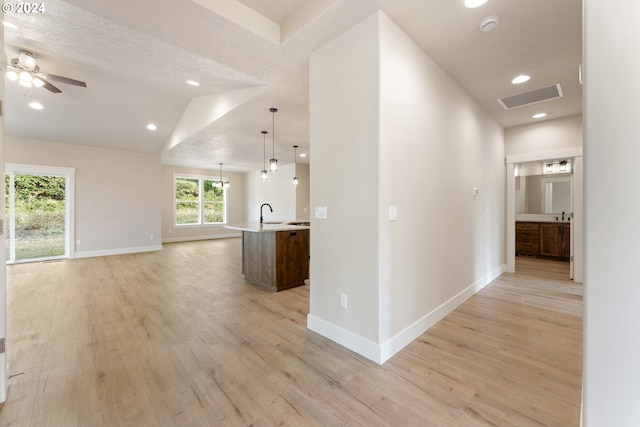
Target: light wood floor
(178,338)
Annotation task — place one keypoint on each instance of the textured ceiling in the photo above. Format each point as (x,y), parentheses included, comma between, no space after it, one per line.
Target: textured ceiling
(136,57)
(277,11)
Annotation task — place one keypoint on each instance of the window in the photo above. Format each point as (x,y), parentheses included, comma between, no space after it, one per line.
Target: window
(198,200)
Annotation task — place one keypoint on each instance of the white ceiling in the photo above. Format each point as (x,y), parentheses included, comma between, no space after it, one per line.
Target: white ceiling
(136,56)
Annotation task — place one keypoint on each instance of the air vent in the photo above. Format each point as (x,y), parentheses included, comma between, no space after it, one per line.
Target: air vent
(531,97)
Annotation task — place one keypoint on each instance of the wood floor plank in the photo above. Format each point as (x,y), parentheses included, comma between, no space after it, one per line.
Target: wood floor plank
(178,337)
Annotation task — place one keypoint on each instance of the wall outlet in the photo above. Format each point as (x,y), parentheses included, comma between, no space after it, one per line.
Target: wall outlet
(78,242)
(152,236)
(343,301)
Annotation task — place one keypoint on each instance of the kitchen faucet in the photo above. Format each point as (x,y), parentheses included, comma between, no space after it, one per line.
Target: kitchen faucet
(263,205)
(563,215)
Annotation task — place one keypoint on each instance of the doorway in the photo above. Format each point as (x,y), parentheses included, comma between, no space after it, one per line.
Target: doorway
(575,223)
(39,213)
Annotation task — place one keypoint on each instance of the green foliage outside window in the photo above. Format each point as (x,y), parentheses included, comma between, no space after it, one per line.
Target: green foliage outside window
(39,209)
(188,202)
(39,202)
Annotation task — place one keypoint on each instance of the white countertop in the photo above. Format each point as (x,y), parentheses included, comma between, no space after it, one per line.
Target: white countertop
(255,226)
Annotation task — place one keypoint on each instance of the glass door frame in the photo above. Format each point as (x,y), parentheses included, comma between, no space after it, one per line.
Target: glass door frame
(69,175)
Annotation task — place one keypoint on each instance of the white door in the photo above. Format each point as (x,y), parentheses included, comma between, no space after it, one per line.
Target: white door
(4,372)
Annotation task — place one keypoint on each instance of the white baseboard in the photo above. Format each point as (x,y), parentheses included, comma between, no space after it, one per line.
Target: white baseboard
(194,238)
(383,352)
(117,251)
(413,331)
(345,338)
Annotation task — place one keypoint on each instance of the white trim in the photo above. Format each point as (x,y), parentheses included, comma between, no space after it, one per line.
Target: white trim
(38,169)
(409,334)
(69,221)
(201,201)
(381,353)
(118,251)
(510,220)
(577,224)
(194,238)
(345,338)
(545,155)
(577,231)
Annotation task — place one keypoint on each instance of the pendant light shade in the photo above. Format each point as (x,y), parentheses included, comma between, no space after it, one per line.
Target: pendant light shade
(263,173)
(295,158)
(273,163)
(221,183)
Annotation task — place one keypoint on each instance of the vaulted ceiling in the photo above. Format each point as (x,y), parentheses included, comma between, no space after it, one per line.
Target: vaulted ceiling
(250,55)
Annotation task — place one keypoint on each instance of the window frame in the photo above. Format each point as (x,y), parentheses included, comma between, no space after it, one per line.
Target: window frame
(201,202)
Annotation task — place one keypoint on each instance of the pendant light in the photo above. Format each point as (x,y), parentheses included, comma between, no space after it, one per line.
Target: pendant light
(221,183)
(273,163)
(295,172)
(263,173)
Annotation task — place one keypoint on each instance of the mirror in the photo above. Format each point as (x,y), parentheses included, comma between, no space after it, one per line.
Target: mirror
(543,194)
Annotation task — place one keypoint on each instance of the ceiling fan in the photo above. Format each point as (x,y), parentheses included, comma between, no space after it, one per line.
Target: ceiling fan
(25,71)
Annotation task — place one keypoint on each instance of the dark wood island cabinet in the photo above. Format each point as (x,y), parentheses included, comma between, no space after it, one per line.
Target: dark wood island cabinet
(275,256)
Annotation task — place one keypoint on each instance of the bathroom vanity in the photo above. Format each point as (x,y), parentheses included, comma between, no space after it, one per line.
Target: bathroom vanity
(544,239)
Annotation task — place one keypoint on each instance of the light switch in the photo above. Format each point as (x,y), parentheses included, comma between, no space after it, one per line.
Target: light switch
(393,213)
(321,212)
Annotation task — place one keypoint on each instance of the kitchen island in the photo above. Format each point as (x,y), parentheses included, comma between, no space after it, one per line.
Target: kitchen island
(275,255)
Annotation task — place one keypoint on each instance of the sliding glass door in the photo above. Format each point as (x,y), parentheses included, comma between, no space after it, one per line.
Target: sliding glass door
(37,215)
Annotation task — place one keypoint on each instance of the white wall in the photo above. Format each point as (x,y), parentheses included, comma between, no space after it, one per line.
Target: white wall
(612,150)
(117,196)
(302,192)
(235,206)
(278,191)
(436,144)
(389,127)
(548,135)
(344,134)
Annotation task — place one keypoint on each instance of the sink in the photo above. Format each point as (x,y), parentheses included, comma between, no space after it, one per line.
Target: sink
(305,223)
(272,222)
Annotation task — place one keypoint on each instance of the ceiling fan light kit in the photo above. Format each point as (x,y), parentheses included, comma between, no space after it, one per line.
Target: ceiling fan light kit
(26,72)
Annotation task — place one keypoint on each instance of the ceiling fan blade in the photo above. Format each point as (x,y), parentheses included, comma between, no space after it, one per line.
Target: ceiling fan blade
(50,87)
(66,80)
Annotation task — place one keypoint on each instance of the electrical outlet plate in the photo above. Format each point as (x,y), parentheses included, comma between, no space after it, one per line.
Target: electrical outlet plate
(343,301)
(393,213)
(321,212)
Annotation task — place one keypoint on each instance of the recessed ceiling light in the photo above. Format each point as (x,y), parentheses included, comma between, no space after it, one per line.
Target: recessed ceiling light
(193,83)
(151,126)
(520,79)
(474,3)
(539,115)
(36,105)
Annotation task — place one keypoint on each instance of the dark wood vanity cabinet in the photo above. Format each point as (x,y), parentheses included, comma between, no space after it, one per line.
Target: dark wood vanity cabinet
(527,238)
(545,239)
(555,240)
